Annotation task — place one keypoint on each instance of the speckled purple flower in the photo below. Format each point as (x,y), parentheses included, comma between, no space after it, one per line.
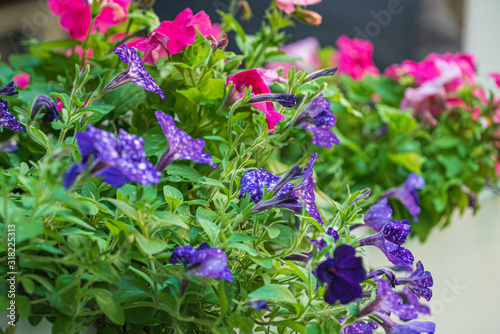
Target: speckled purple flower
(135,73)
(419,282)
(414,327)
(305,190)
(257,304)
(119,160)
(407,194)
(409,297)
(9,89)
(318,119)
(204,261)
(51,112)
(360,327)
(390,239)
(253,183)
(343,275)
(388,301)
(379,215)
(6,119)
(320,244)
(181,146)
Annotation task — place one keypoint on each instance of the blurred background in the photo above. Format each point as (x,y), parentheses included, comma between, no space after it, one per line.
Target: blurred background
(462,257)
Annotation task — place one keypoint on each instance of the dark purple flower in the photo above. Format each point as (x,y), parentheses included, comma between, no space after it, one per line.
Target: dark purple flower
(135,73)
(322,73)
(419,282)
(51,112)
(9,89)
(286,100)
(407,194)
(318,119)
(379,215)
(204,261)
(257,304)
(181,146)
(390,239)
(6,119)
(360,327)
(409,297)
(253,182)
(9,145)
(389,302)
(305,190)
(320,244)
(119,160)
(414,327)
(343,275)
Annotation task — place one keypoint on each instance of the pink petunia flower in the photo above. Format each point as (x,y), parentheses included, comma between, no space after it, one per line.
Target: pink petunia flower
(496,77)
(355,57)
(75,15)
(254,78)
(22,80)
(306,50)
(288,6)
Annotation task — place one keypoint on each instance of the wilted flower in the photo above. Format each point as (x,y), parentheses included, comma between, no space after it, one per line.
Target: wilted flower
(390,239)
(135,73)
(9,89)
(388,301)
(414,327)
(286,100)
(181,146)
(7,120)
(419,282)
(343,275)
(318,119)
(51,112)
(119,160)
(22,80)
(355,57)
(204,261)
(407,194)
(378,215)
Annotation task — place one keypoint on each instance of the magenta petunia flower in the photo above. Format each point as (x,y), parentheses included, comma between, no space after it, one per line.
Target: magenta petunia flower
(288,6)
(255,78)
(22,80)
(75,15)
(355,57)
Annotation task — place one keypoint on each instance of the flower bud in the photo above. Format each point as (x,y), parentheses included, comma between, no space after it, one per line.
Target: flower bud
(308,16)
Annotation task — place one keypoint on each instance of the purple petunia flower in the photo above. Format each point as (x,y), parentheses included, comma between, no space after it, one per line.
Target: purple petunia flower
(414,327)
(409,297)
(51,112)
(253,183)
(318,119)
(286,100)
(7,120)
(343,275)
(378,215)
(320,244)
(257,304)
(9,89)
(388,301)
(181,146)
(419,282)
(9,145)
(204,261)
(390,239)
(360,327)
(135,73)
(407,194)
(119,160)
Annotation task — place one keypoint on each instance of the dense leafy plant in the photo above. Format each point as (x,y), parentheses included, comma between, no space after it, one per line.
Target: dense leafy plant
(176,193)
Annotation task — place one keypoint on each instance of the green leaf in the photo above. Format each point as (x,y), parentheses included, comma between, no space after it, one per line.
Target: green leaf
(148,246)
(211,182)
(126,208)
(412,161)
(173,197)
(274,293)
(163,219)
(105,271)
(243,247)
(264,262)
(109,305)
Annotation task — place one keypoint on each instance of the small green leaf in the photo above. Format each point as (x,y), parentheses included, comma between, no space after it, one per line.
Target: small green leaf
(105,271)
(173,197)
(274,293)
(149,247)
(109,305)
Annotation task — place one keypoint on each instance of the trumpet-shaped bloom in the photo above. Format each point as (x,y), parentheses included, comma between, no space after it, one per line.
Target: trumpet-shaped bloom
(181,146)
(419,282)
(318,119)
(288,6)
(355,57)
(75,15)
(413,327)
(119,160)
(255,78)
(253,183)
(378,215)
(390,239)
(204,261)
(343,275)
(135,73)
(407,194)
(7,120)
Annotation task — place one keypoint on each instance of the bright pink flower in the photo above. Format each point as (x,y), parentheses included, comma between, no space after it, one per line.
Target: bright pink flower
(306,50)
(79,51)
(254,78)
(355,57)
(75,15)
(22,80)
(289,5)
(497,169)
(496,77)
(59,104)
